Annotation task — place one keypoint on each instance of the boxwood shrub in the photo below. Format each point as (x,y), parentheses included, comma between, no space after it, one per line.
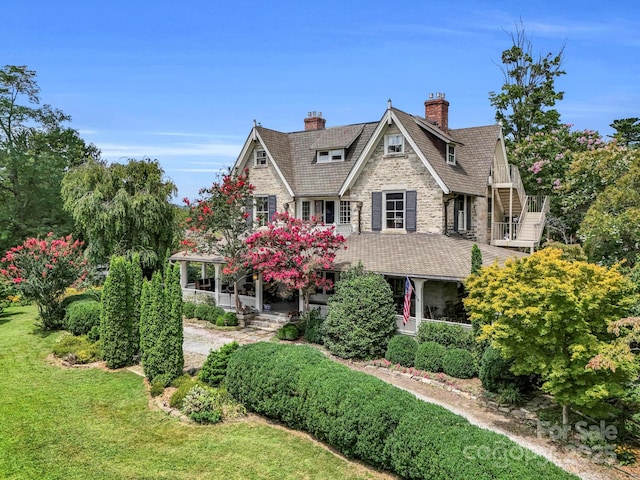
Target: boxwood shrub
(313,321)
(445,334)
(402,349)
(207,312)
(82,316)
(368,419)
(429,357)
(288,332)
(495,373)
(214,369)
(458,363)
(189,309)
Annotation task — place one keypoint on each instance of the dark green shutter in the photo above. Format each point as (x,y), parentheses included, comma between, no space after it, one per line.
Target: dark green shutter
(271,205)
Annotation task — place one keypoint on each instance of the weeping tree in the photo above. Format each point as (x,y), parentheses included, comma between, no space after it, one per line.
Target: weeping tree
(122,209)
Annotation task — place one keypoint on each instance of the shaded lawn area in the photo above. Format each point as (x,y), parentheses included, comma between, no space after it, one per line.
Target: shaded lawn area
(76,424)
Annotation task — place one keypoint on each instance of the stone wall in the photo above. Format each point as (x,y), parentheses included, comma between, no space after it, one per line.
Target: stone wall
(266,181)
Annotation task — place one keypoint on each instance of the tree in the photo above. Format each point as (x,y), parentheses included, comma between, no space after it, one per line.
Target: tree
(627,131)
(523,104)
(35,151)
(117,323)
(552,318)
(161,332)
(362,317)
(476,259)
(544,160)
(611,226)
(122,209)
(295,253)
(219,223)
(42,269)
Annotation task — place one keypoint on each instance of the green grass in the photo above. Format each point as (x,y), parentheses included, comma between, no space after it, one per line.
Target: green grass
(85,423)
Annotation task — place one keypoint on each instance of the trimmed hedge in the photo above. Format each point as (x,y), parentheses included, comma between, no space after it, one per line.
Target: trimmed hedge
(288,332)
(402,349)
(458,363)
(368,419)
(429,357)
(207,312)
(445,334)
(215,366)
(82,316)
(189,309)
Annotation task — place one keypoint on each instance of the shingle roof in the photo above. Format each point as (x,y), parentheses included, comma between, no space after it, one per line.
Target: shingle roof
(423,255)
(295,154)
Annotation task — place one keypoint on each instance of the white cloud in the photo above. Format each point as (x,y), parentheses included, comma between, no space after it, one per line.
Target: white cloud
(115,150)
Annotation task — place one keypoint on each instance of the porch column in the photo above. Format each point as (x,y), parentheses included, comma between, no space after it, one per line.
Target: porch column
(300,301)
(259,293)
(419,283)
(218,283)
(183,273)
(203,271)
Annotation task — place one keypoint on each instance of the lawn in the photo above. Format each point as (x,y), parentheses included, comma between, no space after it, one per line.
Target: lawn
(86,423)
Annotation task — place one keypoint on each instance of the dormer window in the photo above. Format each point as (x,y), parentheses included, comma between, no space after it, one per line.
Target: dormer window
(393,144)
(451,154)
(325,156)
(260,158)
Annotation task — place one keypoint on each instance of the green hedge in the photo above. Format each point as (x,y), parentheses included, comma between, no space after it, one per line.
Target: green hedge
(458,363)
(82,316)
(429,357)
(207,312)
(368,419)
(288,332)
(189,309)
(445,334)
(402,350)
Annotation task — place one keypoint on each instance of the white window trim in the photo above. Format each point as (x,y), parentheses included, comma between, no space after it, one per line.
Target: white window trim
(256,214)
(344,207)
(451,154)
(466,203)
(309,203)
(257,160)
(404,211)
(387,144)
(332,155)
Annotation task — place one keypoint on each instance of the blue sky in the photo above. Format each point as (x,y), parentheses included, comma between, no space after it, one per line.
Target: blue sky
(183,81)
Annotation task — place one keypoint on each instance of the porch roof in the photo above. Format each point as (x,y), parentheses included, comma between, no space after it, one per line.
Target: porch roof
(429,256)
(196,257)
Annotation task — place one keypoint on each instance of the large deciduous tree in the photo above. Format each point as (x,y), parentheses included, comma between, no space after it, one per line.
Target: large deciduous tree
(295,253)
(122,209)
(219,223)
(553,317)
(611,226)
(523,105)
(35,151)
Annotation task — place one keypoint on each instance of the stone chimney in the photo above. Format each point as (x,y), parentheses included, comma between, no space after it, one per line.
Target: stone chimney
(314,121)
(436,109)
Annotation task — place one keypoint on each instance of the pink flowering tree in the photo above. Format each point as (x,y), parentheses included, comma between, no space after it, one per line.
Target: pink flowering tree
(218,223)
(294,252)
(41,270)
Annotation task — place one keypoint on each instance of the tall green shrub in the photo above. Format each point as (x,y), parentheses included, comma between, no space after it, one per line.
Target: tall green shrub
(361,318)
(476,259)
(215,367)
(161,325)
(116,323)
(136,276)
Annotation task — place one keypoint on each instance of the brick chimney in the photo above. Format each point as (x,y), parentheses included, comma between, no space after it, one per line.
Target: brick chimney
(314,121)
(436,109)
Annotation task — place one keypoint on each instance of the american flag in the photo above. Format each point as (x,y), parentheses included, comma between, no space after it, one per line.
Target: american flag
(406,310)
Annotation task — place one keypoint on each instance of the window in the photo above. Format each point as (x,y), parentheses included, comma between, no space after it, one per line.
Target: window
(345,212)
(394,210)
(451,154)
(330,155)
(261,210)
(462,211)
(306,210)
(393,144)
(260,158)
(329,276)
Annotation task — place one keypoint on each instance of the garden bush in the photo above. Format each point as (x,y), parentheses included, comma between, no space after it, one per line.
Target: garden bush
(200,405)
(183,384)
(362,317)
(230,319)
(94,334)
(429,357)
(214,369)
(371,420)
(189,309)
(495,373)
(445,334)
(402,349)
(82,316)
(313,322)
(288,332)
(220,321)
(458,363)
(208,312)
(77,349)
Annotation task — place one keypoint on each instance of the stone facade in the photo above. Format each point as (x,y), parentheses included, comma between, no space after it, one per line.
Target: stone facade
(398,172)
(266,181)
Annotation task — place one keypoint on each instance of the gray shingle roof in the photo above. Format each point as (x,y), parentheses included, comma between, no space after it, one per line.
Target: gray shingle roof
(337,137)
(423,255)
